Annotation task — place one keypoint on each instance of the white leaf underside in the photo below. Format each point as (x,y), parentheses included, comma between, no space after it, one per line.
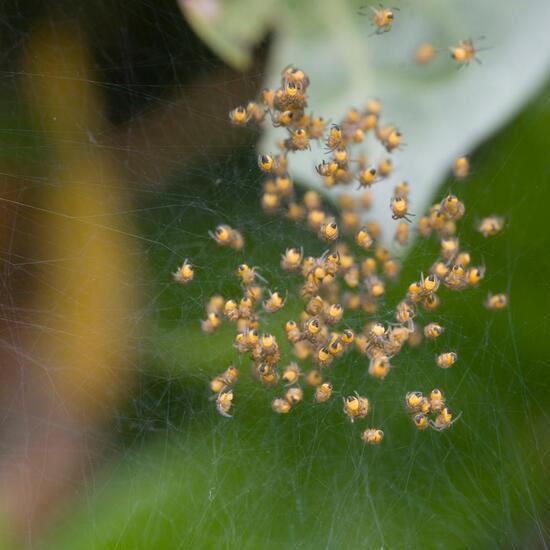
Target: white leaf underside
(442,111)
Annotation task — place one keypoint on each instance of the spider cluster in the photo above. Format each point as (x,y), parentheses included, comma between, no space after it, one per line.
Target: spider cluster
(350,276)
(420,408)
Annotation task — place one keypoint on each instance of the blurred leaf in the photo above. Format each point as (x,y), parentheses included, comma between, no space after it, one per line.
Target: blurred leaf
(443,112)
(232,30)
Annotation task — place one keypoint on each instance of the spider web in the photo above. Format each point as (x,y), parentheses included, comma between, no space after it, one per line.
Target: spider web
(172,473)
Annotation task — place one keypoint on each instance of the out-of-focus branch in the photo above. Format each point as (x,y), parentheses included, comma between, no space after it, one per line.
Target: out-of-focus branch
(68,345)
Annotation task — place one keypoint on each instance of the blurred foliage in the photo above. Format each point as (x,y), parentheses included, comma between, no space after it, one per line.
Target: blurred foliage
(182,476)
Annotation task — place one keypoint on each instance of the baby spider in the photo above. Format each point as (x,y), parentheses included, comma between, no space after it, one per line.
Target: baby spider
(255,111)
(211,323)
(376,332)
(366,178)
(268,344)
(464,52)
(490,226)
(270,203)
(341,157)
(415,292)
(326,169)
(424,226)
(231,310)
(246,274)
(399,207)
(268,377)
(452,207)
(374,106)
(401,235)
(382,18)
(332,262)
(385,168)
(292,331)
(314,378)
(421,421)
(298,140)
(245,307)
(392,140)
(444,420)
(335,139)
(315,305)
(415,402)
(323,358)
(294,395)
(348,336)
(266,97)
(415,337)
(329,230)
(356,406)
(312,200)
(496,301)
(280,406)
(449,247)
(382,132)
(296,75)
(224,380)
(323,392)
(474,275)
(372,436)
(215,304)
(437,400)
(292,258)
(368,267)
(266,163)
(424,54)
(440,270)
(463,258)
(363,239)
(295,212)
(240,343)
(397,336)
(379,367)
(282,118)
(224,402)
(404,314)
(374,286)
(433,331)
(255,292)
(291,374)
(401,190)
(184,274)
(461,168)
(274,303)
(315,219)
(334,314)
(239,116)
(446,360)
(293,96)
(226,236)
(429,284)
(316,127)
